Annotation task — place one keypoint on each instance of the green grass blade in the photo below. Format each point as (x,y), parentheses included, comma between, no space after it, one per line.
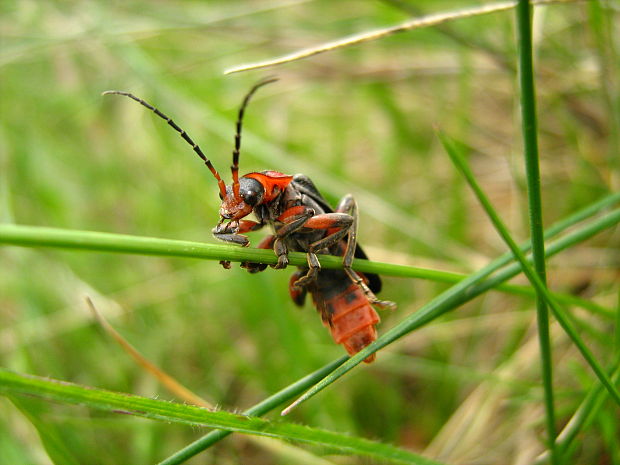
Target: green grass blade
(259,409)
(35,236)
(528,270)
(14,383)
(39,236)
(532,170)
(555,247)
(51,437)
(585,413)
(48,237)
(457,295)
(588,409)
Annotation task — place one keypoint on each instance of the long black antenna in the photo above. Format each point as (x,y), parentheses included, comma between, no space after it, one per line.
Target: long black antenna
(235,163)
(184,135)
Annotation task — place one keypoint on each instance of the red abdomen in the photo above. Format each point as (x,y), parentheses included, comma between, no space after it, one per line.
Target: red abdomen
(350,318)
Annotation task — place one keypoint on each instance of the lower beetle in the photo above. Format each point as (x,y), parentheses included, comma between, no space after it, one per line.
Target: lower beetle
(301,220)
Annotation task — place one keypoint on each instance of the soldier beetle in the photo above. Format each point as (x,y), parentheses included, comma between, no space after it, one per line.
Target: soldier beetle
(303,221)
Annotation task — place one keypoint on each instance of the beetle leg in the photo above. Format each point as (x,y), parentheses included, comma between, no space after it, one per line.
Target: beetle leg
(338,226)
(230,232)
(348,204)
(297,294)
(291,220)
(279,247)
(233,238)
(372,298)
(314,266)
(249,226)
(313,271)
(266,243)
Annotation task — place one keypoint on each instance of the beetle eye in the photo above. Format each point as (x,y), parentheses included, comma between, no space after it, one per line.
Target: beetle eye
(251,191)
(251,197)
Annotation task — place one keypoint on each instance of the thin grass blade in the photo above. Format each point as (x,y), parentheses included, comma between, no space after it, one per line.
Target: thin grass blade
(528,270)
(457,295)
(529,131)
(14,383)
(35,236)
(416,23)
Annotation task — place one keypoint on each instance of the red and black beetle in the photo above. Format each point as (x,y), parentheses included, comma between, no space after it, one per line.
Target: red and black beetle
(301,220)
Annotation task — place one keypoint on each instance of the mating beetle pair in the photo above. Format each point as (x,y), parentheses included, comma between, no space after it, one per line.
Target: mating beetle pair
(303,221)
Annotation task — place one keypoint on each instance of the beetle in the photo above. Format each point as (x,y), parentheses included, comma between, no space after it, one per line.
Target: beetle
(301,220)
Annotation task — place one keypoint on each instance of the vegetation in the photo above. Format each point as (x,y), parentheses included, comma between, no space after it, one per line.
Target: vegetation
(406,124)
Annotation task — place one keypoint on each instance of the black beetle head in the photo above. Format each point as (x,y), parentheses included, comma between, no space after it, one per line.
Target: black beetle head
(251,194)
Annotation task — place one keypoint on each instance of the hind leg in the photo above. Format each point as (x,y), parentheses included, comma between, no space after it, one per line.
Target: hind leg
(348,205)
(298,294)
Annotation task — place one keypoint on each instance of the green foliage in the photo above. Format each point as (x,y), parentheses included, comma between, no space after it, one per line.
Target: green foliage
(459,381)
(196,416)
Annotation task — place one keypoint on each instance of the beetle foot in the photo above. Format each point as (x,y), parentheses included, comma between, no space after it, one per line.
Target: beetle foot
(384,304)
(282,262)
(310,277)
(225,264)
(253,267)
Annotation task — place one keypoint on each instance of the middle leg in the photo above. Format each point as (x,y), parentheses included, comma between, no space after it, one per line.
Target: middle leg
(337,226)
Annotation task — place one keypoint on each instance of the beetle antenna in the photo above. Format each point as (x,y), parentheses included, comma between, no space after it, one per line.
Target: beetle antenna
(184,135)
(235,163)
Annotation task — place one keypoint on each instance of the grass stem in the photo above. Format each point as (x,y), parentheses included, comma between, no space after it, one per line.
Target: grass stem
(530,144)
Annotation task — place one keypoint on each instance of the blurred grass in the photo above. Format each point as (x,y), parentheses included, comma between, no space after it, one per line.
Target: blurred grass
(359,120)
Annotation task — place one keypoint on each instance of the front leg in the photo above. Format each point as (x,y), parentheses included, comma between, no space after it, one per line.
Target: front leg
(266,243)
(232,232)
(287,223)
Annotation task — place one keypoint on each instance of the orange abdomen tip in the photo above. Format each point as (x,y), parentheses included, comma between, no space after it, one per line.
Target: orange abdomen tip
(352,321)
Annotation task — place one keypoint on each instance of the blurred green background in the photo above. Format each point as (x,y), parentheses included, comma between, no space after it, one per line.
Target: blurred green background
(360,120)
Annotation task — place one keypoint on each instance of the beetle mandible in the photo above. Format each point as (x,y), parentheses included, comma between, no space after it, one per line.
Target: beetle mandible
(301,220)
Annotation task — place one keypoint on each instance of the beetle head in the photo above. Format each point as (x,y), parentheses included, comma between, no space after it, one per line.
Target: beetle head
(250,194)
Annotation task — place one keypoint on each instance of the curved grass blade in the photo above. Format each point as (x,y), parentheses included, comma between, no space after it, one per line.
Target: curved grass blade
(35,236)
(584,415)
(15,383)
(452,298)
(529,272)
(171,384)
(51,437)
(259,409)
(183,393)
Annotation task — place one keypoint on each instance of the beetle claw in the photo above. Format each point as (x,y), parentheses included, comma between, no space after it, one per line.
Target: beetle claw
(282,262)
(253,267)
(307,279)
